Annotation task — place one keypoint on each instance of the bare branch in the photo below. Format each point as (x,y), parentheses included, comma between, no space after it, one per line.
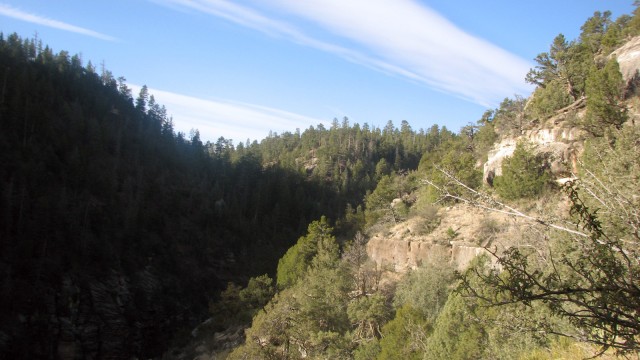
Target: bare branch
(493,204)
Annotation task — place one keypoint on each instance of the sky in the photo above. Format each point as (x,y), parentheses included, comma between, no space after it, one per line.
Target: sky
(243,69)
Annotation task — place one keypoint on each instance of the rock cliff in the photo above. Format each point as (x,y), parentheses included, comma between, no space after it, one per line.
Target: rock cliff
(558,136)
(462,232)
(563,144)
(628,56)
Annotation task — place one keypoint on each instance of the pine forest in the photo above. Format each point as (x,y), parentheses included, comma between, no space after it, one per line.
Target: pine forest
(121,238)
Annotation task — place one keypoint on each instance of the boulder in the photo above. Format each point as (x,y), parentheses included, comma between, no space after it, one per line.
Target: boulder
(628,56)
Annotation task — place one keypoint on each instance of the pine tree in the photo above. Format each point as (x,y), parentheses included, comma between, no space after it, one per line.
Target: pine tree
(523,174)
(604,88)
(143,97)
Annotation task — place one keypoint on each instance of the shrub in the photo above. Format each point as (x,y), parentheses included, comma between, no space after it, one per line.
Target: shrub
(487,231)
(524,175)
(546,100)
(604,88)
(429,218)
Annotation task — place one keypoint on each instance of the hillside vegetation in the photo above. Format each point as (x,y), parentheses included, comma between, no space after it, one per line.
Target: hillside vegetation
(562,282)
(118,232)
(119,236)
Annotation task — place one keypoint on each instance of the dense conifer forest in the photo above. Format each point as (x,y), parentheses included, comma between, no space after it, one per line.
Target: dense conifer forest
(101,198)
(119,236)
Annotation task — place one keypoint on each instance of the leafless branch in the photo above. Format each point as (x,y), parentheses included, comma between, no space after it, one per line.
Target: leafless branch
(486,202)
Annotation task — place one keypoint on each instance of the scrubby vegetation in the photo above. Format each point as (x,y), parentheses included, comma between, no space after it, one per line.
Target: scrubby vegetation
(549,290)
(524,174)
(119,236)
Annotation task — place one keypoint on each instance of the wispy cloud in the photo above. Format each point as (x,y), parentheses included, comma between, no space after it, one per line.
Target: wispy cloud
(416,38)
(15,13)
(233,120)
(399,37)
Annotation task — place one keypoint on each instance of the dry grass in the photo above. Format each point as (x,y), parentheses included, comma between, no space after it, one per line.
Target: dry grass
(566,349)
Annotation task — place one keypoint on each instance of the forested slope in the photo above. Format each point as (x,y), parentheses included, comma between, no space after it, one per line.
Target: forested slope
(117,232)
(119,235)
(560,282)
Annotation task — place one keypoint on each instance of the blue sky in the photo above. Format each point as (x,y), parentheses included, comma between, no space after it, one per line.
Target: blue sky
(240,69)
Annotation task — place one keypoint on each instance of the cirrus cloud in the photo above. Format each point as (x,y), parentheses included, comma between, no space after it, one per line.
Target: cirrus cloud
(18,14)
(231,119)
(398,37)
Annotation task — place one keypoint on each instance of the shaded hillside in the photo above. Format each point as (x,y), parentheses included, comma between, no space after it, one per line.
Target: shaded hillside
(115,230)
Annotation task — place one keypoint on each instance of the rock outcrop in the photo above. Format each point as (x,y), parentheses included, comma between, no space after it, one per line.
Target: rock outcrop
(628,56)
(460,236)
(563,144)
(557,136)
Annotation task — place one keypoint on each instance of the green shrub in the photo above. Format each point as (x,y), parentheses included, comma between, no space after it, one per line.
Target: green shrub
(427,288)
(452,234)
(546,100)
(524,175)
(456,335)
(604,89)
(296,261)
(405,335)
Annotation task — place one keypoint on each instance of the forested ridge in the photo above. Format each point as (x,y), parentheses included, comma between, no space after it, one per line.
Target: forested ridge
(560,283)
(120,236)
(108,212)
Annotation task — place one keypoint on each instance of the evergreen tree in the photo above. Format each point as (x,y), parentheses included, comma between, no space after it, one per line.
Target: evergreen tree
(143,97)
(604,95)
(524,174)
(317,243)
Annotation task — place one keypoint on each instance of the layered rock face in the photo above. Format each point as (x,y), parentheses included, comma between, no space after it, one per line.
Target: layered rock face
(628,57)
(459,237)
(559,138)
